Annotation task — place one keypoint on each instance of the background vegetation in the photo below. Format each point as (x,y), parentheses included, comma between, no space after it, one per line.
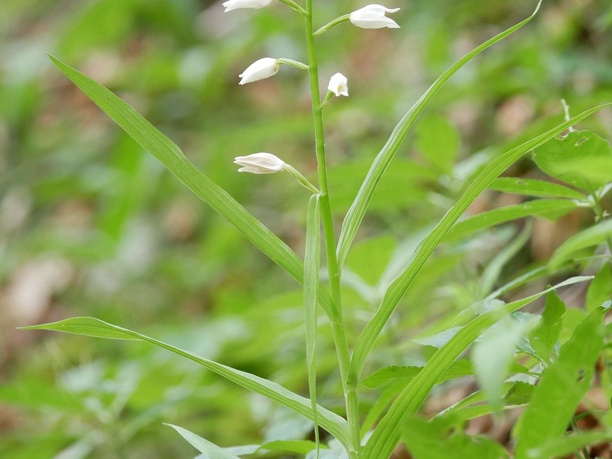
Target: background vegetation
(92,225)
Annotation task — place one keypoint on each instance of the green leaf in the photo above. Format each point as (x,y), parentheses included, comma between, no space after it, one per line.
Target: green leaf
(401,283)
(544,337)
(90,326)
(438,141)
(571,443)
(204,446)
(600,289)
(288,446)
(457,369)
(386,435)
(531,187)
(546,208)
(589,237)
(493,354)
(430,440)
(355,215)
(561,388)
(581,158)
(171,156)
(311,285)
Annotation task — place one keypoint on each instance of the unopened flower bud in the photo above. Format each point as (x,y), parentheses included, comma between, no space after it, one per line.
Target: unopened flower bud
(260,163)
(237,4)
(258,70)
(373,17)
(338,84)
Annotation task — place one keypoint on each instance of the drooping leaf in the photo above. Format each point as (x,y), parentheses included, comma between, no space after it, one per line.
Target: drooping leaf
(90,326)
(561,388)
(544,337)
(531,187)
(581,158)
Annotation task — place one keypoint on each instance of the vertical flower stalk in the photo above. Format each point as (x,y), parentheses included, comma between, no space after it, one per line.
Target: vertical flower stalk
(337,322)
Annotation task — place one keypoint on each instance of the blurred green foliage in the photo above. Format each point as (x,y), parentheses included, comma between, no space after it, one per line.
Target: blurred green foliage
(91,225)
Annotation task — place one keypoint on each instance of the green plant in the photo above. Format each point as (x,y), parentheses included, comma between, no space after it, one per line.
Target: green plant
(580,159)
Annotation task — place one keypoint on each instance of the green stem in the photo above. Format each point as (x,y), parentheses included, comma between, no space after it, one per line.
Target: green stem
(291,4)
(337,322)
(332,24)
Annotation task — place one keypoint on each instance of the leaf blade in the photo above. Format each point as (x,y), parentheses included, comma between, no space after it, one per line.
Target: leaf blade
(90,326)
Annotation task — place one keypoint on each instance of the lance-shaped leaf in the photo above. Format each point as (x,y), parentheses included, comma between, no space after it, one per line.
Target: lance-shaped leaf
(387,433)
(355,215)
(171,156)
(561,388)
(403,281)
(90,326)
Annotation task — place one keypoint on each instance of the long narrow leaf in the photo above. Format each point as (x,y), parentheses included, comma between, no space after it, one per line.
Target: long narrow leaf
(546,208)
(355,215)
(311,284)
(387,433)
(90,326)
(171,156)
(399,286)
(202,445)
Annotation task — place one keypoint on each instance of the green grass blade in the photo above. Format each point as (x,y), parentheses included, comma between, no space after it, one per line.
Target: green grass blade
(387,433)
(90,326)
(355,215)
(546,208)
(561,388)
(532,187)
(171,156)
(399,286)
(311,284)
(203,445)
(589,237)
(570,444)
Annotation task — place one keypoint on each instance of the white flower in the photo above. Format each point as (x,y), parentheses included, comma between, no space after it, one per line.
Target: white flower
(373,17)
(338,84)
(258,70)
(260,163)
(237,4)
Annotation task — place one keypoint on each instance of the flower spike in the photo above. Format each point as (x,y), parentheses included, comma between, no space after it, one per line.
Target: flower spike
(373,17)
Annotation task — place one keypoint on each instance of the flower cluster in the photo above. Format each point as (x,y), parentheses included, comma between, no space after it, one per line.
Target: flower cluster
(369,17)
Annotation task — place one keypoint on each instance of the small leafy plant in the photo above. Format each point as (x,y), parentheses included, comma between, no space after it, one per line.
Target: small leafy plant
(519,358)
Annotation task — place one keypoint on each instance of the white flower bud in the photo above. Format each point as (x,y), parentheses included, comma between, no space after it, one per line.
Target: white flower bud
(373,17)
(338,84)
(260,163)
(258,70)
(237,4)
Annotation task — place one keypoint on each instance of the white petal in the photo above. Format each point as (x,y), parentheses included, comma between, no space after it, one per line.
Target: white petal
(258,70)
(260,163)
(338,84)
(373,17)
(237,4)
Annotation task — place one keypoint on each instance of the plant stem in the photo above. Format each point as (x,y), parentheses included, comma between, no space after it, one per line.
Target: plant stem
(337,322)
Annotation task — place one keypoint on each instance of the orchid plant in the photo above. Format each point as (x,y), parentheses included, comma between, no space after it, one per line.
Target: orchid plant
(355,434)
